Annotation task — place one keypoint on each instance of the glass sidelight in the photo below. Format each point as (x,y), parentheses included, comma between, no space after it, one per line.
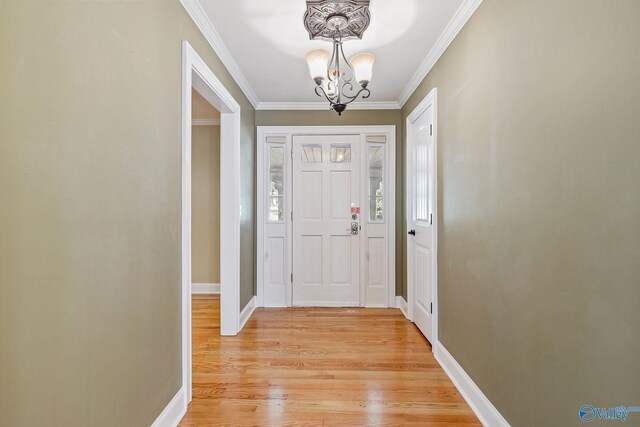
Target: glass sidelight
(376,182)
(275,208)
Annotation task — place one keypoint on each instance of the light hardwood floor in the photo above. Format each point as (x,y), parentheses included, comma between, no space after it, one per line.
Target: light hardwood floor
(318,367)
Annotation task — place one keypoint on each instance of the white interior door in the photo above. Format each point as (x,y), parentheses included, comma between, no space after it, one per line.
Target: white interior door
(421,158)
(325,249)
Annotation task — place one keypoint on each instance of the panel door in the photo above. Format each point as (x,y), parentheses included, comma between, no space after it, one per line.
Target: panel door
(421,232)
(325,252)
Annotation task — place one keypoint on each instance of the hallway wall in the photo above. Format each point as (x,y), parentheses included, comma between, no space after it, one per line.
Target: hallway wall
(353,118)
(539,155)
(205,214)
(90,199)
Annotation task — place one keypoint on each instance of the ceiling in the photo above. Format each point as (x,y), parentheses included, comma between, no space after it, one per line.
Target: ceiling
(264,43)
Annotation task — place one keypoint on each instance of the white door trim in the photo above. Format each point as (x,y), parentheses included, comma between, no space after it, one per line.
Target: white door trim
(196,74)
(430,100)
(289,132)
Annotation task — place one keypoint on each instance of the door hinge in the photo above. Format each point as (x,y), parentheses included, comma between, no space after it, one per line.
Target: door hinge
(431,308)
(292,153)
(291,215)
(291,277)
(431,218)
(430,130)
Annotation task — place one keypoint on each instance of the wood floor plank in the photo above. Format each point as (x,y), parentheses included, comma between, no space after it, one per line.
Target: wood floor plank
(318,367)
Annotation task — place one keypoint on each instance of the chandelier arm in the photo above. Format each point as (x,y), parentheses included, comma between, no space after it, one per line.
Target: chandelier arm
(365,96)
(339,87)
(356,94)
(344,88)
(348,65)
(322,92)
(333,57)
(335,88)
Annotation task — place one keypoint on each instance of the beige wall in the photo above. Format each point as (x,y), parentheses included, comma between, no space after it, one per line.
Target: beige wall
(90,188)
(539,166)
(201,109)
(353,118)
(205,201)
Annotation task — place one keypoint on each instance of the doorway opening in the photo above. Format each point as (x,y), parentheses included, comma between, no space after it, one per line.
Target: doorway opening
(205,197)
(198,77)
(422,217)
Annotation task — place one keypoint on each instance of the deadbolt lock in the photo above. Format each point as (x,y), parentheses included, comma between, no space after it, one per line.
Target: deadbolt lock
(354,228)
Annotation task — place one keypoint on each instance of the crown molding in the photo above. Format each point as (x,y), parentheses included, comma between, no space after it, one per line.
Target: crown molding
(462,15)
(204,24)
(205,122)
(392,105)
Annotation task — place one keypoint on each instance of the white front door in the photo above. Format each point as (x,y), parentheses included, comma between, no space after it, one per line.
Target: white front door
(325,249)
(421,177)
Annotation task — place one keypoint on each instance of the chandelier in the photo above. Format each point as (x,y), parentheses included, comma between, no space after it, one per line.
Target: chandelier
(341,82)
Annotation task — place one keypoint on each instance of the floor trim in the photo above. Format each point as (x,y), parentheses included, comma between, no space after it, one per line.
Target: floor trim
(401,303)
(247,311)
(173,412)
(480,405)
(205,288)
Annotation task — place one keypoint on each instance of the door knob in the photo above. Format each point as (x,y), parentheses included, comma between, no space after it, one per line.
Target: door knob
(412,232)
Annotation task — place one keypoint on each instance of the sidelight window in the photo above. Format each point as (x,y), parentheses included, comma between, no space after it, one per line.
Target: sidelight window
(376,174)
(275,208)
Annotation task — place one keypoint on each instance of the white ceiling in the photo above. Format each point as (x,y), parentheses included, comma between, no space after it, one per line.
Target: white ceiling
(267,41)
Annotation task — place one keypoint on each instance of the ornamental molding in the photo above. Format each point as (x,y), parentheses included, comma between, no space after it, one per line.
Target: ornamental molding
(319,23)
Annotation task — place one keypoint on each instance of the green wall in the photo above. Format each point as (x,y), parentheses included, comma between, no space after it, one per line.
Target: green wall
(539,195)
(90,184)
(354,118)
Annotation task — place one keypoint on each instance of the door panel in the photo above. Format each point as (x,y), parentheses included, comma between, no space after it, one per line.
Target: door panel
(421,243)
(275,264)
(340,260)
(422,277)
(340,195)
(311,260)
(325,253)
(311,195)
(377,261)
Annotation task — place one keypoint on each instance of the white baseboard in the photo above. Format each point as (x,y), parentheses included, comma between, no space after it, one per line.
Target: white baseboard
(481,406)
(173,412)
(326,304)
(247,311)
(401,303)
(205,288)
